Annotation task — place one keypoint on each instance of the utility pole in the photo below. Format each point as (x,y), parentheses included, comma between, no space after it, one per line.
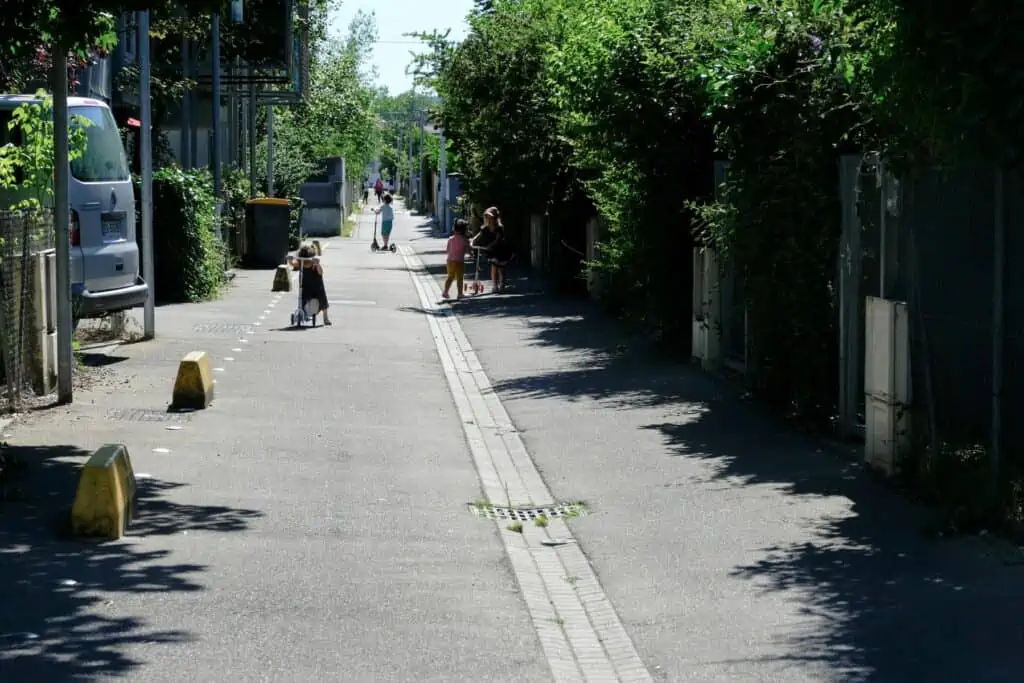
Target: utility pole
(215,49)
(231,102)
(443,172)
(398,163)
(146,159)
(186,102)
(252,139)
(62,223)
(421,190)
(270,150)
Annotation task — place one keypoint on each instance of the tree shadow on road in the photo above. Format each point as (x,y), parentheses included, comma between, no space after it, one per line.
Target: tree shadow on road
(897,605)
(61,616)
(900,605)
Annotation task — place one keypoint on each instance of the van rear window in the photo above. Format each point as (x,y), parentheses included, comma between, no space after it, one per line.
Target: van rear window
(104,159)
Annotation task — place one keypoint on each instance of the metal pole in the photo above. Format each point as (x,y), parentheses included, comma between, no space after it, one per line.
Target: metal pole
(998,286)
(443,172)
(215,124)
(419,192)
(232,158)
(186,104)
(243,130)
(270,150)
(62,225)
(883,255)
(193,105)
(253,179)
(146,158)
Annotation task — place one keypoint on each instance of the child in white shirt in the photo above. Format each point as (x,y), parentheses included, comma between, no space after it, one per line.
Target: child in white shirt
(387,219)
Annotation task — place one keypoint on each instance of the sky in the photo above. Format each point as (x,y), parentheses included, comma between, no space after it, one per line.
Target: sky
(395,17)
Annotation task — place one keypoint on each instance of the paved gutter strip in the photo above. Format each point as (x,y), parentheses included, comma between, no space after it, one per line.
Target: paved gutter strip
(579,631)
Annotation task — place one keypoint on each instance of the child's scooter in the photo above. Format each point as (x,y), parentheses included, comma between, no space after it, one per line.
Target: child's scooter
(475,286)
(308,312)
(374,246)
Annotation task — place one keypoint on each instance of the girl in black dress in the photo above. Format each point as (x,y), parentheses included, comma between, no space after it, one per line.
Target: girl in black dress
(499,251)
(312,279)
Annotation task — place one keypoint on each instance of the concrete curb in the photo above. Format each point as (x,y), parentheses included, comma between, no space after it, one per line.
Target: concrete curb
(579,630)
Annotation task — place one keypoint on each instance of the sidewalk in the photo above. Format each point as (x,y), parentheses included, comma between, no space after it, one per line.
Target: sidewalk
(310,526)
(732,549)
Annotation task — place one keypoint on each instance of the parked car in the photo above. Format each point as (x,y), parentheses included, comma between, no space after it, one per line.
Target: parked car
(105,273)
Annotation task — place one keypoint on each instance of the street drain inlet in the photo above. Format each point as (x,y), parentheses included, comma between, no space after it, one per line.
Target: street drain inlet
(146,415)
(527,514)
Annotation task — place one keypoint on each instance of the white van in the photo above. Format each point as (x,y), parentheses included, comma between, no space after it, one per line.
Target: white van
(105,274)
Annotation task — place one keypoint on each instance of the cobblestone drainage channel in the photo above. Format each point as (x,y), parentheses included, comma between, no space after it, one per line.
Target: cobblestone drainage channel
(527,514)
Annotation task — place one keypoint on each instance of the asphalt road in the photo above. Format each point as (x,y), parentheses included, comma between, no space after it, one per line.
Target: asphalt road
(732,549)
(312,525)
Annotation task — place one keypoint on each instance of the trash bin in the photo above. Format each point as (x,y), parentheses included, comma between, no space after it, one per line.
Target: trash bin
(266,235)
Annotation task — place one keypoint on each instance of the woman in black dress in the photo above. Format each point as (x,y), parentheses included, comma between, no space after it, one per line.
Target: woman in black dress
(499,251)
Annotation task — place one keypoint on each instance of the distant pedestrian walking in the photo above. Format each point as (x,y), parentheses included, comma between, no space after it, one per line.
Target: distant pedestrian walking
(378,188)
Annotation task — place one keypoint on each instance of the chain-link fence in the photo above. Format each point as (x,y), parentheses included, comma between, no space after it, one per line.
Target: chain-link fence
(23,235)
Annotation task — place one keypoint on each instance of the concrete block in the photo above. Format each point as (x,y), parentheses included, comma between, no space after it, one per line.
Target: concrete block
(105,500)
(282,280)
(193,387)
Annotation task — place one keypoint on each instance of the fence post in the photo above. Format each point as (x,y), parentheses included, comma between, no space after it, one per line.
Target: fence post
(998,284)
(849,267)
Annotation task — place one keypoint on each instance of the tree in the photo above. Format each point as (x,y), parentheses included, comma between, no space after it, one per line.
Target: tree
(32,29)
(398,122)
(497,108)
(625,104)
(338,119)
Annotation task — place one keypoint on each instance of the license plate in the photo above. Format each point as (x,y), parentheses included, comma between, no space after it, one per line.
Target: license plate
(113,231)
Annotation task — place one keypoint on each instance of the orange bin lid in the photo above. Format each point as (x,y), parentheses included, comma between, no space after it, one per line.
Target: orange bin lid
(269,201)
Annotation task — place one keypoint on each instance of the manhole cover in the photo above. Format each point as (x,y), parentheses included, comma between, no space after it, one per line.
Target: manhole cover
(146,415)
(222,328)
(527,514)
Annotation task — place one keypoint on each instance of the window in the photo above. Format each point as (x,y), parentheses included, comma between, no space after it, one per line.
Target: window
(129,36)
(104,159)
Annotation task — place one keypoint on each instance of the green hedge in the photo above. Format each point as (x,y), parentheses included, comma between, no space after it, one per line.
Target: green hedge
(189,257)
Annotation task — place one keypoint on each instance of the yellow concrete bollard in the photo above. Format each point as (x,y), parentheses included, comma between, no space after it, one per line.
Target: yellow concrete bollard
(193,387)
(282,280)
(105,500)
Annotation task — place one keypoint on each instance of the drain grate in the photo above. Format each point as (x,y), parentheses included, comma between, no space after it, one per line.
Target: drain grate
(146,415)
(528,514)
(222,328)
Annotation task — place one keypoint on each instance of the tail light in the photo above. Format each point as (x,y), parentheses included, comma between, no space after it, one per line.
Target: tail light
(76,230)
